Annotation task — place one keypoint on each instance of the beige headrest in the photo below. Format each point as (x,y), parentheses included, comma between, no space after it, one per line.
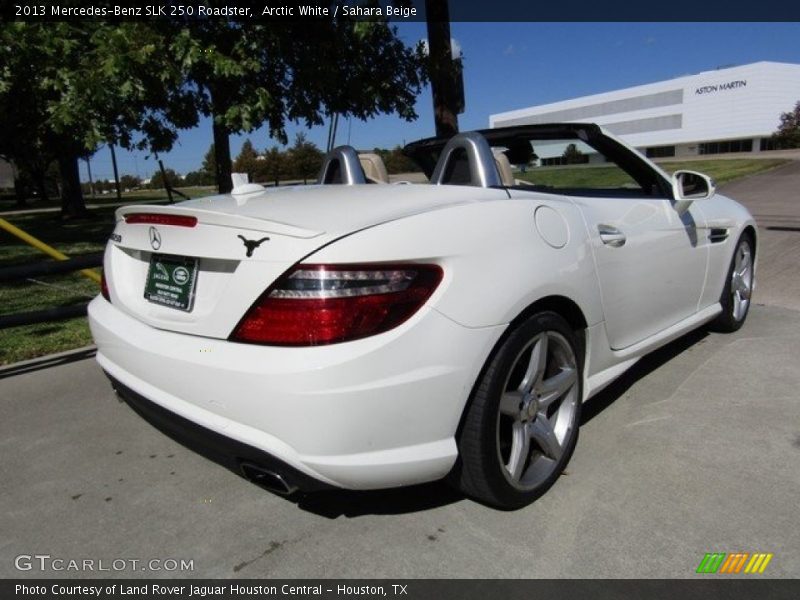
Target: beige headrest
(374,168)
(504,168)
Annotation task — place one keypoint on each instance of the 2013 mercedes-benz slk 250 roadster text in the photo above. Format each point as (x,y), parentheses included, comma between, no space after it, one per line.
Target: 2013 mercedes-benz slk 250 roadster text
(360,334)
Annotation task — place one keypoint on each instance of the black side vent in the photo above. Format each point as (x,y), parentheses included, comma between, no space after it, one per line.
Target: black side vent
(717,235)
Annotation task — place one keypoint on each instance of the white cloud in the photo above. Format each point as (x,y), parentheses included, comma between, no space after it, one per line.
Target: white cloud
(455,47)
(509,50)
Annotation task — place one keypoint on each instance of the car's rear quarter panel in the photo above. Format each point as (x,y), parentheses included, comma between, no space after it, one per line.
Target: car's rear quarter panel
(496,263)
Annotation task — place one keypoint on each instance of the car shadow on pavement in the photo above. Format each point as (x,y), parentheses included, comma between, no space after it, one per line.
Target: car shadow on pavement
(334,504)
(395,501)
(646,365)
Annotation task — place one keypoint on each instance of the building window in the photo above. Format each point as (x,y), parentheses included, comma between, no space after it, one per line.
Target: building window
(558,161)
(727,146)
(660,152)
(769,144)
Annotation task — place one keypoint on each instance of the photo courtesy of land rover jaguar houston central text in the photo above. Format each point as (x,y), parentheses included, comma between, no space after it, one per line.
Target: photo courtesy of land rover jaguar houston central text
(362,334)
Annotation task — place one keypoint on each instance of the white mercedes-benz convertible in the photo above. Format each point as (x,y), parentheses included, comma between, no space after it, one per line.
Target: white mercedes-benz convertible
(359,334)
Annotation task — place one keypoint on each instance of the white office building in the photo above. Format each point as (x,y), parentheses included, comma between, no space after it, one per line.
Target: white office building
(733,109)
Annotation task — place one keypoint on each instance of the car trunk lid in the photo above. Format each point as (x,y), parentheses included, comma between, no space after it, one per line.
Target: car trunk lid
(196,267)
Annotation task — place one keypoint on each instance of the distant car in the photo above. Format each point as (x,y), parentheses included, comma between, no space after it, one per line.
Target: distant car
(369,335)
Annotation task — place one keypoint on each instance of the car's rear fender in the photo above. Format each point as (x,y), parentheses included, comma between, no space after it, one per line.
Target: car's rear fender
(495,257)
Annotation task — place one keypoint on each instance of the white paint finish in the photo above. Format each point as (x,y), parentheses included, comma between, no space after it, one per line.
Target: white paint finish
(297,222)
(721,211)
(495,262)
(340,209)
(383,410)
(551,226)
(217,307)
(655,279)
(343,413)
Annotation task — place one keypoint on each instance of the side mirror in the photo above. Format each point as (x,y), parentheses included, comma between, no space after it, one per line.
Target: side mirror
(690,185)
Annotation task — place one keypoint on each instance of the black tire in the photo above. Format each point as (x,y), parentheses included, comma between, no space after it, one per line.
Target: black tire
(729,320)
(482,472)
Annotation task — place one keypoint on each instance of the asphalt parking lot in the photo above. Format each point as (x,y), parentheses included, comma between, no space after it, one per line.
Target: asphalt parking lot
(695,450)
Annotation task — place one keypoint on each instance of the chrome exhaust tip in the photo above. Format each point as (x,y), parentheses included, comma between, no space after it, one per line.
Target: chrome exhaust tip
(267,479)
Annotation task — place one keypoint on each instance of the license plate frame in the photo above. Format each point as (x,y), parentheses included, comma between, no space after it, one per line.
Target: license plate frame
(171,281)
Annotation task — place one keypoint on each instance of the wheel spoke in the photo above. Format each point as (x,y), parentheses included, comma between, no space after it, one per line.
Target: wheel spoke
(520,448)
(510,403)
(536,364)
(738,284)
(543,434)
(739,305)
(744,290)
(745,262)
(556,386)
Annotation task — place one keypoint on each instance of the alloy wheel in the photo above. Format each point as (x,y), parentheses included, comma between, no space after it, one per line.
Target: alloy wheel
(537,410)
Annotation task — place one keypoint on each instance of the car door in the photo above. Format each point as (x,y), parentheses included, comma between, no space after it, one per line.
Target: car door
(650,265)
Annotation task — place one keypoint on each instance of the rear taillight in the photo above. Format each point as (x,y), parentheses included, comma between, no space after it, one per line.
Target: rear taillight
(104,287)
(313,305)
(161,219)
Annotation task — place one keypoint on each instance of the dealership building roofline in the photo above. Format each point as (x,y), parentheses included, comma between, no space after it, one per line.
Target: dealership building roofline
(732,109)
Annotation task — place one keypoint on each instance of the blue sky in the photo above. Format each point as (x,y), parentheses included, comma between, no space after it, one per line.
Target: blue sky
(514,65)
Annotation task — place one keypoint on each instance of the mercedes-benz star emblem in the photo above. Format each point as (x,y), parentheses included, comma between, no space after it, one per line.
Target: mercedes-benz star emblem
(155,238)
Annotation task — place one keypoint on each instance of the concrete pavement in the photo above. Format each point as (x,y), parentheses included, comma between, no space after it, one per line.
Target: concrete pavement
(773,198)
(696,450)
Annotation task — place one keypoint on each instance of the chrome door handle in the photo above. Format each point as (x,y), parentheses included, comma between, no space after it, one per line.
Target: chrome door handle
(611,236)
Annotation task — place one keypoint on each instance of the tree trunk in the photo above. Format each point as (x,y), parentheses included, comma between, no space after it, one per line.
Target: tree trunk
(40,181)
(222,153)
(72,203)
(19,192)
(445,96)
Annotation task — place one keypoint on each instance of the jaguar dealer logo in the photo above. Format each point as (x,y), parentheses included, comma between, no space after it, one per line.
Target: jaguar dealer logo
(155,238)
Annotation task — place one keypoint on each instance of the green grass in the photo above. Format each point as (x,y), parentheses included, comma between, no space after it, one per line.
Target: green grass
(30,341)
(581,176)
(73,238)
(588,176)
(727,169)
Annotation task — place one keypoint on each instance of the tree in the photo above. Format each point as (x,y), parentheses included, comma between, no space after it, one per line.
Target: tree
(68,87)
(573,156)
(246,77)
(397,162)
(304,159)
(157,181)
(129,182)
(247,161)
(447,87)
(198,178)
(788,133)
(273,166)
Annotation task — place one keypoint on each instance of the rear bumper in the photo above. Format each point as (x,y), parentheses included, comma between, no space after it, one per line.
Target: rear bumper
(219,448)
(375,413)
